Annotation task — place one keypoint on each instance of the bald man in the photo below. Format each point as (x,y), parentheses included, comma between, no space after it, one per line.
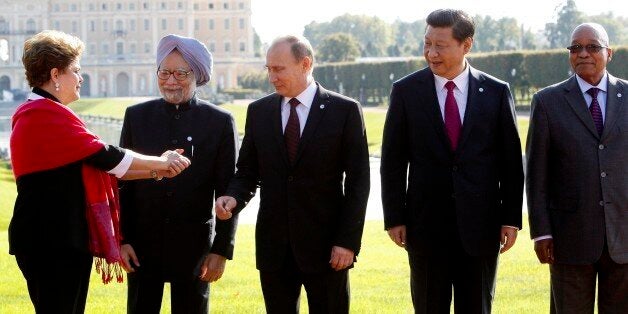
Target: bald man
(167,223)
(577,179)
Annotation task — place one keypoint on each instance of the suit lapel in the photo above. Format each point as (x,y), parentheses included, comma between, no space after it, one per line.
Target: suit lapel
(275,114)
(573,96)
(432,108)
(317,110)
(475,93)
(614,104)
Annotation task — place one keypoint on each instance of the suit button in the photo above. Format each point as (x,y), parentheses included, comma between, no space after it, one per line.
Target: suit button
(174,141)
(601,146)
(454,168)
(177,116)
(290,178)
(603,174)
(601,203)
(169,193)
(167,220)
(453,195)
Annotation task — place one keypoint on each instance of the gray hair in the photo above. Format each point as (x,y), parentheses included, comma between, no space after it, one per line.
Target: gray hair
(599,30)
(299,46)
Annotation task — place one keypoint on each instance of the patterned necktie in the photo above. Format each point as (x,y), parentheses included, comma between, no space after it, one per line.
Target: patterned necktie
(596,111)
(292,133)
(452,116)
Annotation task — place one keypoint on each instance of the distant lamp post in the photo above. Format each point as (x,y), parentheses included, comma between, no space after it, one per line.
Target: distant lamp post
(362,89)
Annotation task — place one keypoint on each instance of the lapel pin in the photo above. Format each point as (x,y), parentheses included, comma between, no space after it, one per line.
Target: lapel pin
(322,107)
(481,90)
(619,95)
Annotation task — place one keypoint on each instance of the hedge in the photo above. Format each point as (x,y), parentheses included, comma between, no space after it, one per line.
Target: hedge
(526,71)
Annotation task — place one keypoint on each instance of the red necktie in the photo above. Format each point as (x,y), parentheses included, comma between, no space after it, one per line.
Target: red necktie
(596,111)
(292,133)
(452,116)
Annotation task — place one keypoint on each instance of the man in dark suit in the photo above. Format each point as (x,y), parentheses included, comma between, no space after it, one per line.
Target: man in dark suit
(298,144)
(168,225)
(455,128)
(577,180)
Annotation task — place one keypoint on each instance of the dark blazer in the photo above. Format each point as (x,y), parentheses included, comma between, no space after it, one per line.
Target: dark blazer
(170,222)
(577,181)
(307,206)
(476,189)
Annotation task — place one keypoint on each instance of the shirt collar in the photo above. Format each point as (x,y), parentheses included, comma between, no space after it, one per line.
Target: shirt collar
(461,81)
(184,106)
(38,93)
(306,97)
(585,86)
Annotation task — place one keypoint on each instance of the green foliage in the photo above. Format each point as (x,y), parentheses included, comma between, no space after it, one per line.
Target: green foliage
(368,82)
(408,38)
(559,34)
(8,192)
(338,47)
(373,34)
(242,93)
(255,80)
(526,72)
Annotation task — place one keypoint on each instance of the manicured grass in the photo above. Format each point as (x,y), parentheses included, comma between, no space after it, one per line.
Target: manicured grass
(379,282)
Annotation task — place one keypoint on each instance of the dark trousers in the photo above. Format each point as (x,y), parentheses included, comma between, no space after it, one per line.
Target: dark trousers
(145,293)
(471,277)
(327,292)
(573,286)
(57,282)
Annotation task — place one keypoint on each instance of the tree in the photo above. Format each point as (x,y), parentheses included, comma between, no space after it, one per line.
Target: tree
(372,33)
(485,38)
(508,35)
(559,34)
(257,44)
(615,27)
(338,47)
(408,37)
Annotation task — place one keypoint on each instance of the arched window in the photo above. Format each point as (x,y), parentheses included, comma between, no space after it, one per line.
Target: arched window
(31,27)
(4,26)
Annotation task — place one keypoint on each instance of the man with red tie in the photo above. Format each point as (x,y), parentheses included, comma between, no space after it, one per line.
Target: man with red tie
(454,127)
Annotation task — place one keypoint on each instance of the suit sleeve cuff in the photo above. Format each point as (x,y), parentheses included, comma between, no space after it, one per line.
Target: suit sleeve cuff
(544,237)
(121,168)
(505,226)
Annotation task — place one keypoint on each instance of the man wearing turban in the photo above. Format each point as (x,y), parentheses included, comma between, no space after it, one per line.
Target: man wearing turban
(167,223)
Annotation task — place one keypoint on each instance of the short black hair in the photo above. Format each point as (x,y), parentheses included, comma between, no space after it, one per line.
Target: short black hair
(461,23)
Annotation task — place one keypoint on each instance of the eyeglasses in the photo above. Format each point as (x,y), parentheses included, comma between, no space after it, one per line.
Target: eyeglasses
(591,48)
(179,75)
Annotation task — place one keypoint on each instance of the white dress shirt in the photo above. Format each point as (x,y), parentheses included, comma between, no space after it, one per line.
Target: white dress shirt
(303,109)
(601,95)
(460,92)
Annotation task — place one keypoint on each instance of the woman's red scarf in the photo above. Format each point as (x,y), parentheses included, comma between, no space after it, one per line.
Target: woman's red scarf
(48,135)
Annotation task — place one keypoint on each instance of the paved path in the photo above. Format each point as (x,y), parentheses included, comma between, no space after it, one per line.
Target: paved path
(373,210)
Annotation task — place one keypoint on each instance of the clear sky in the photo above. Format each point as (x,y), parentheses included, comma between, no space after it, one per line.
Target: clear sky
(272,18)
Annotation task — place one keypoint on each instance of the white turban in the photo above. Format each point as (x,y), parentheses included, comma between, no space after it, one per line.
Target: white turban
(193,51)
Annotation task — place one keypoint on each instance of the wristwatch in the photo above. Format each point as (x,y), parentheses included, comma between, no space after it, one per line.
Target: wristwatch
(153,174)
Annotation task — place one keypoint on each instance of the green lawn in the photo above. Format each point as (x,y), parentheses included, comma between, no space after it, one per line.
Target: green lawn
(379,282)
(373,117)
